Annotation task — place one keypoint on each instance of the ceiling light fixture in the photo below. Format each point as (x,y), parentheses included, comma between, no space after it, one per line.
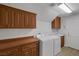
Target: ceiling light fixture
(65,7)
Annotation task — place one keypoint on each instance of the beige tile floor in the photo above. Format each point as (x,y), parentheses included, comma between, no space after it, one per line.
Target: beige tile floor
(66,51)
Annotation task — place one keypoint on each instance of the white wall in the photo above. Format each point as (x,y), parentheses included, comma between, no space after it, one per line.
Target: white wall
(41,26)
(11,33)
(71,31)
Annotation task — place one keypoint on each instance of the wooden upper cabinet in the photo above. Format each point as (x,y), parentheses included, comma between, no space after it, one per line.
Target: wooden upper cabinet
(56,23)
(16,18)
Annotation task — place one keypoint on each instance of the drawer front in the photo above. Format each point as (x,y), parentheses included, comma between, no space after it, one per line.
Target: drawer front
(10,52)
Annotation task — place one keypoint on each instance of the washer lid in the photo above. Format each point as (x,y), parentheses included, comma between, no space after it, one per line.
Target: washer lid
(48,37)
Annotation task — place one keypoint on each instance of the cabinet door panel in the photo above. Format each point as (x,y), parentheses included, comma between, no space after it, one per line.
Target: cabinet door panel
(30,49)
(10,52)
(16,18)
(56,23)
(12,19)
(32,21)
(7,17)
(62,41)
(26,19)
(34,51)
(3,17)
(21,19)
(29,20)
(26,52)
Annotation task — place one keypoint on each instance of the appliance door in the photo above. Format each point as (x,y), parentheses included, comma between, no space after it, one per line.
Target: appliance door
(46,47)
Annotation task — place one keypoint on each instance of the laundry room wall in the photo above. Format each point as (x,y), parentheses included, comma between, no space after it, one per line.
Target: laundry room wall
(71,31)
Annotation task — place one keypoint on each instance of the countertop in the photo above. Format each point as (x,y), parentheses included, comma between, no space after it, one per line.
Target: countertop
(16,41)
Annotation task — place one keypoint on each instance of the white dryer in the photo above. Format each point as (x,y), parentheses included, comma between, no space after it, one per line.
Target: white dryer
(49,45)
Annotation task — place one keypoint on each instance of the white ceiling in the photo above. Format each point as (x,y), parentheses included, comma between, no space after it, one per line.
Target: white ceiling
(55,10)
(50,10)
(74,7)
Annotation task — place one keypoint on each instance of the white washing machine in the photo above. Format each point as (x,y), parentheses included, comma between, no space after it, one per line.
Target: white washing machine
(49,45)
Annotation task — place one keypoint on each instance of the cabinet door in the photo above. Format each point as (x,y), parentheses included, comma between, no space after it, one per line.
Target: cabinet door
(57,22)
(10,52)
(34,51)
(21,19)
(62,41)
(29,20)
(10,18)
(26,19)
(16,18)
(30,49)
(3,17)
(32,20)
(6,17)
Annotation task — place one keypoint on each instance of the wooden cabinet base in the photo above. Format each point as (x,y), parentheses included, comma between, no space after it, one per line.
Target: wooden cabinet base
(20,47)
